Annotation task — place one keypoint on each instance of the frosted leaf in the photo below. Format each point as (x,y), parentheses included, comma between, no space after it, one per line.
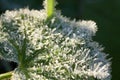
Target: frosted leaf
(59,49)
(8,52)
(88,26)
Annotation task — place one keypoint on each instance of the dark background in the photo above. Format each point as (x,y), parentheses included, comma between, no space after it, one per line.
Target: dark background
(106,13)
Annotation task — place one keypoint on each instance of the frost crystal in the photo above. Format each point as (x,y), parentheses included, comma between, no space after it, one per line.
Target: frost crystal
(58,49)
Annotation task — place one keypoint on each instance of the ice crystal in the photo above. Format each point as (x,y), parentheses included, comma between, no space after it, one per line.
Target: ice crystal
(56,49)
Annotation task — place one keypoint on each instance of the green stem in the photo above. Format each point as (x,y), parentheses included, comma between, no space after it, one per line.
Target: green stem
(50,7)
(5,75)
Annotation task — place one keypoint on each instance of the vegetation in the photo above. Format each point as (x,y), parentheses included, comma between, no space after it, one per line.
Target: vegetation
(48,46)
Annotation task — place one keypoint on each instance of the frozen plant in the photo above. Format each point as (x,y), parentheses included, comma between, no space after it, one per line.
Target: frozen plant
(48,46)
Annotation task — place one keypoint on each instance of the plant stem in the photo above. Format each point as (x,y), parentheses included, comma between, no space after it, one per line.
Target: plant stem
(5,75)
(50,7)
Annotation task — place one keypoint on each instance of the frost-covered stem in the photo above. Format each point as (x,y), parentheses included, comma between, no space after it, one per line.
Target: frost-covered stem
(50,7)
(5,75)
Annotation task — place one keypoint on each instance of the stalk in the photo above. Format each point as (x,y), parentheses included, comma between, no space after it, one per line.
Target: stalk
(5,75)
(50,7)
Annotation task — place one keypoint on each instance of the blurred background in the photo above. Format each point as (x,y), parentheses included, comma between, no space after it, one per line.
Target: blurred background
(106,13)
